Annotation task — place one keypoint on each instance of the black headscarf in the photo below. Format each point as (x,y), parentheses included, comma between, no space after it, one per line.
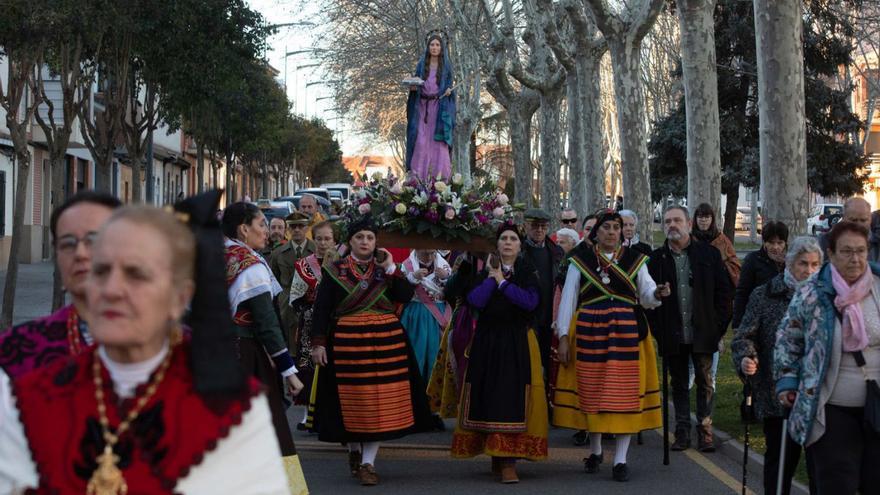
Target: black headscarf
(214,361)
(363,223)
(602,217)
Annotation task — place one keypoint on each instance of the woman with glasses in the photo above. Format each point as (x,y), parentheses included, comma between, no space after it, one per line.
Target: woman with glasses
(74,226)
(827,346)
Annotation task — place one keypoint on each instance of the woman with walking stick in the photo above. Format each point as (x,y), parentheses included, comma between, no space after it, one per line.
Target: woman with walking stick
(752,350)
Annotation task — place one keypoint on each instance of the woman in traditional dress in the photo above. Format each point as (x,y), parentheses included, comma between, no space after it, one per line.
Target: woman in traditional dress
(74,226)
(426,315)
(146,410)
(608,379)
(369,388)
(503,409)
(251,288)
(444,387)
(306,277)
(430,113)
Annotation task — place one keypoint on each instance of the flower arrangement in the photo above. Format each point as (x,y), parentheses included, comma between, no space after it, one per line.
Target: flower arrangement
(447,211)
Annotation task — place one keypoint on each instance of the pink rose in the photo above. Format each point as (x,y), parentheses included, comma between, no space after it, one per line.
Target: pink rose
(498,212)
(364,208)
(397,188)
(450,214)
(503,199)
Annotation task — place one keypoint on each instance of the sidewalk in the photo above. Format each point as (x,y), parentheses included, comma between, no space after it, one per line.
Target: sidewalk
(33,291)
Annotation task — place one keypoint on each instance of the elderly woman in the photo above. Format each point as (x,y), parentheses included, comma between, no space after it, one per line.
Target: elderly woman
(251,288)
(760,266)
(503,409)
(630,235)
(567,239)
(830,331)
(369,389)
(144,411)
(74,226)
(752,349)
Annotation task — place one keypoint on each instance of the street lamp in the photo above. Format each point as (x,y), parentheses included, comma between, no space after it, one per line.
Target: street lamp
(290,24)
(296,52)
(296,69)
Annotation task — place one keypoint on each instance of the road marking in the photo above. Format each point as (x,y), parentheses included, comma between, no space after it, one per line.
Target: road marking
(704,462)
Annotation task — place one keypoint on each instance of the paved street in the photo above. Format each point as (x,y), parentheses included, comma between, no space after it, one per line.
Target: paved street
(420,464)
(33,291)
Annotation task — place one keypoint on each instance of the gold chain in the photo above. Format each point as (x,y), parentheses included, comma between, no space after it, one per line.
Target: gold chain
(107,478)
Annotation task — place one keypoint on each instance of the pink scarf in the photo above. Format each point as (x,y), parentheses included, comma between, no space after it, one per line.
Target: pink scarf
(848,302)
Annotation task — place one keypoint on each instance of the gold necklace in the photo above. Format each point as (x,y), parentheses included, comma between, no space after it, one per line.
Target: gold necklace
(107,478)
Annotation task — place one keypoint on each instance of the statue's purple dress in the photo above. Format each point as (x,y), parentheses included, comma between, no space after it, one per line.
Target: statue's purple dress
(430,157)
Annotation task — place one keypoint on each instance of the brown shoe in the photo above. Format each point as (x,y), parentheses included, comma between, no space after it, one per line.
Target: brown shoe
(354,462)
(508,472)
(705,439)
(367,475)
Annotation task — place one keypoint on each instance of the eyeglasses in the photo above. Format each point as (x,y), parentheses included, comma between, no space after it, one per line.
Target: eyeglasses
(569,220)
(853,253)
(67,244)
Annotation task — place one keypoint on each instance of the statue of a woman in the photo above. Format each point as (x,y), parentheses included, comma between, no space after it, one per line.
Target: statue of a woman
(430,113)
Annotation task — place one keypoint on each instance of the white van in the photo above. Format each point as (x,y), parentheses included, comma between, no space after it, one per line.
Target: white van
(342,187)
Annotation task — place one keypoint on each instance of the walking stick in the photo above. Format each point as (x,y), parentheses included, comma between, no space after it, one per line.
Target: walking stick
(747,413)
(665,411)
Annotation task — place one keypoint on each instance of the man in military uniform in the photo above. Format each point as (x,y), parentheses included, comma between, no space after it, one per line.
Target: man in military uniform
(282,263)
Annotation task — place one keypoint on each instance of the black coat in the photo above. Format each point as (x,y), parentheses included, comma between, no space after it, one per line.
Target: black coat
(642,247)
(756,271)
(544,312)
(711,294)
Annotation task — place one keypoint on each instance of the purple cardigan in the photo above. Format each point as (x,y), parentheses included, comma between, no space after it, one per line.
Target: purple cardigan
(526,299)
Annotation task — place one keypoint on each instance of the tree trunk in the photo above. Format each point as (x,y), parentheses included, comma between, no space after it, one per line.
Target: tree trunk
(782,127)
(103,169)
(630,99)
(591,126)
(200,168)
(550,152)
(520,122)
(730,212)
(136,189)
(57,162)
(577,166)
(700,80)
(23,164)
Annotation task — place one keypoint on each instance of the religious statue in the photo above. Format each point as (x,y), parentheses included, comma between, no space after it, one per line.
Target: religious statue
(430,111)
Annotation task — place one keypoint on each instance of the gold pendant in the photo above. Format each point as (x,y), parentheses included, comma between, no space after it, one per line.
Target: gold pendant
(107,479)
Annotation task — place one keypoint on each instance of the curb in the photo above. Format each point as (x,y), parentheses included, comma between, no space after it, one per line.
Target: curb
(733,449)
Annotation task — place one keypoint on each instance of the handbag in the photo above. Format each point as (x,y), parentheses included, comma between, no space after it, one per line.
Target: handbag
(872,397)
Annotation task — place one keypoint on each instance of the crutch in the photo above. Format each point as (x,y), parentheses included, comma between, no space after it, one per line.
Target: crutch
(780,477)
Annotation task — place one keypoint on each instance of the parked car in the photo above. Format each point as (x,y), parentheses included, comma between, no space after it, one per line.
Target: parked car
(323,203)
(820,216)
(343,188)
(744,219)
(275,209)
(314,191)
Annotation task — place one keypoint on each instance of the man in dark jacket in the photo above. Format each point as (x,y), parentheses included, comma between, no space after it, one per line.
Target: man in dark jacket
(692,320)
(546,256)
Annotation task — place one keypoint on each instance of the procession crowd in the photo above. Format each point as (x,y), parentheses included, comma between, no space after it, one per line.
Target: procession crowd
(189,332)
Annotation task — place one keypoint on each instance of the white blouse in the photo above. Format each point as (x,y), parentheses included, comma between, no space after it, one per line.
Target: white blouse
(247,461)
(571,289)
